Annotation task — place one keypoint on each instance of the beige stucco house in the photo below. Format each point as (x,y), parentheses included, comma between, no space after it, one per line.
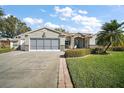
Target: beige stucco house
(49,39)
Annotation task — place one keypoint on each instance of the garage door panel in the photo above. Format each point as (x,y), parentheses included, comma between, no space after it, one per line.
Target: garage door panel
(47,47)
(55,44)
(39,44)
(47,42)
(40,47)
(33,47)
(33,44)
(54,47)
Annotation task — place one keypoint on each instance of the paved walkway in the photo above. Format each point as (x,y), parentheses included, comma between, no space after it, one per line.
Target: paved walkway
(64,78)
(29,69)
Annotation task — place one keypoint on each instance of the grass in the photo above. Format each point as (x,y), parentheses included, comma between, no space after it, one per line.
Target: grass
(4,50)
(98,71)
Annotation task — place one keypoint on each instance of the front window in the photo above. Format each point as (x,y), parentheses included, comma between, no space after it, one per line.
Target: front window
(67,44)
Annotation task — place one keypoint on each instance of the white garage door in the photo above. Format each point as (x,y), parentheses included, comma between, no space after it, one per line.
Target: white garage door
(44,44)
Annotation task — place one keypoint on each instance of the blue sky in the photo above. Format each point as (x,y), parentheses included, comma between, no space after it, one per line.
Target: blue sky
(74,18)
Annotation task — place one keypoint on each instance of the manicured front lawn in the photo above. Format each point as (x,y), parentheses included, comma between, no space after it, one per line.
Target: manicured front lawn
(4,50)
(102,71)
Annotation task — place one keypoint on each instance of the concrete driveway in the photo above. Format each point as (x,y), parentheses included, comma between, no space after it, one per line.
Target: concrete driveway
(29,69)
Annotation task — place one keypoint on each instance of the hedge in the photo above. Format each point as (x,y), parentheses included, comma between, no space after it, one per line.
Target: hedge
(77,52)
(118,49)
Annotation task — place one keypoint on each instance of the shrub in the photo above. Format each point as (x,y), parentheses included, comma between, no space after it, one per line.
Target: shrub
(97,51)
(4,50)
(77,52)
(118,49)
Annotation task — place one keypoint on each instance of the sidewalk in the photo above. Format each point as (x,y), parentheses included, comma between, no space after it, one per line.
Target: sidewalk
(64,77)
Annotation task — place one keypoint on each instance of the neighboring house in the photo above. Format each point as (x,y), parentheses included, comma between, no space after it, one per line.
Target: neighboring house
(8,43)
(49,39)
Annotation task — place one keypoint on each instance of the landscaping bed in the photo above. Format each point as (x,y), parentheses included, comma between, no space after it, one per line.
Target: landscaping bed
(4,50)
(97,71)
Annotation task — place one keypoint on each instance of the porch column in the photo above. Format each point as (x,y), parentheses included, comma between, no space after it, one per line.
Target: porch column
(72,42)
(86,42)
(62,42)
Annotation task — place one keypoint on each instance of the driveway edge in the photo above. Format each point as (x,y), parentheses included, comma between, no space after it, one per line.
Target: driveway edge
(64,77)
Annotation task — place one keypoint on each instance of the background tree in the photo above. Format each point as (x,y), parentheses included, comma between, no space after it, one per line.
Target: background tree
(1,21)
(12,26)
(111,34)
(60,29)
(1,12)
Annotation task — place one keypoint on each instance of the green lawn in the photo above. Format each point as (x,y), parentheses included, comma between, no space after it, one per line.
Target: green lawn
(4,50)
(101,71)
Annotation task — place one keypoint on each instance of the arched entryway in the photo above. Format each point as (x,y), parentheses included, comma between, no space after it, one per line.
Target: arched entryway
(79,42)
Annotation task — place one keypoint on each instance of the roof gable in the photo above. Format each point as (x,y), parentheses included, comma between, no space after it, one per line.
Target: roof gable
(40,30)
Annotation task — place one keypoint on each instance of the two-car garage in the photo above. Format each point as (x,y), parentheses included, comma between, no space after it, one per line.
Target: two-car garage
(44,44)
(44,39)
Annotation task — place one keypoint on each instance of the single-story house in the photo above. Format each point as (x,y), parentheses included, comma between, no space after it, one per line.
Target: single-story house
(8,43)
(49,39)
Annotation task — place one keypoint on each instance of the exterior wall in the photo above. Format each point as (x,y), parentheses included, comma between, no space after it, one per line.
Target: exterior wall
(44,33)
(93,40)
(62,43)
(72,43)
(15,44)
(11,45)
(27,43)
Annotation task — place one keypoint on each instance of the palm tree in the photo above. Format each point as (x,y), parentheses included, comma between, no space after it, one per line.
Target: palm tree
(111,34)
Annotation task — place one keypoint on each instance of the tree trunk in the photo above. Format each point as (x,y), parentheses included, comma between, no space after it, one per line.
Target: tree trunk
(107,47)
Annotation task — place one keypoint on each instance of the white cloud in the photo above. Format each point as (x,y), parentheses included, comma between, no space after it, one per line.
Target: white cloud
(67,12)
(82,12)
(87,29)
(85,20)
(33,21)
(90,24)
(51,25)
(63,13)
